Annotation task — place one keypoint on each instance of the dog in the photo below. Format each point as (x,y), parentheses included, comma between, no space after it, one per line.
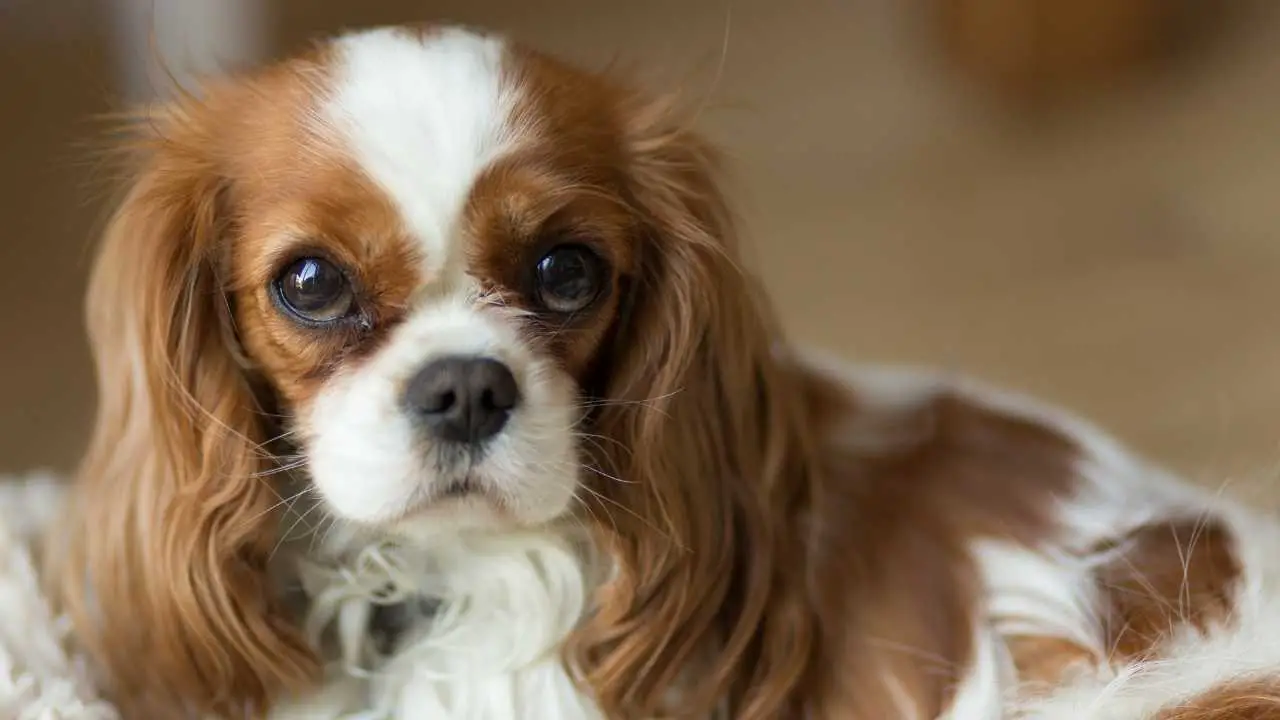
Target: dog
(432,386)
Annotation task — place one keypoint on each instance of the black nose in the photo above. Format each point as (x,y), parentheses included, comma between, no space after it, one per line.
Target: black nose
(463,399)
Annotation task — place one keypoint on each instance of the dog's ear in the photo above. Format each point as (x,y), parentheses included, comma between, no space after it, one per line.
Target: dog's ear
(699,445)
(163,565)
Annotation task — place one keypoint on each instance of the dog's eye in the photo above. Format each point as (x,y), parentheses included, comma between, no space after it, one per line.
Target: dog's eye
(315,290)
(568,278)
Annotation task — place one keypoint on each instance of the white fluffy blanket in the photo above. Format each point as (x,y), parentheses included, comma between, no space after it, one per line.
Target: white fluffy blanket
(39,678)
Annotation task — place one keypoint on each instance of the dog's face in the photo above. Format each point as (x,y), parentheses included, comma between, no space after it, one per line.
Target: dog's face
(426,268)
(453,284)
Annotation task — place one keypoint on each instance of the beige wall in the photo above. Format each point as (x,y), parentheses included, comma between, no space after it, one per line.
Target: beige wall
(1120,258)
(54,75)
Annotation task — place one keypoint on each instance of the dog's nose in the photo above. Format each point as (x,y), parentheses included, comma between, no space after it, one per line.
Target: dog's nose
(463,399)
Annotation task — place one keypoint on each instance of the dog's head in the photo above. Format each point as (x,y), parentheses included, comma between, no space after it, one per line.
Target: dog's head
(458,286)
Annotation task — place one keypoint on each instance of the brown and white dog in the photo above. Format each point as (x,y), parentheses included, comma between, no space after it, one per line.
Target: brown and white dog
(431,387)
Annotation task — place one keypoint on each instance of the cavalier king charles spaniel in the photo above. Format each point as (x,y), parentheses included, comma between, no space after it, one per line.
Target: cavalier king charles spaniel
(431,387)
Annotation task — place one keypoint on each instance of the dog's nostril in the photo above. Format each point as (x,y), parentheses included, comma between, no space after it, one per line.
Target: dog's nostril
(501,395)
(463,399)
(439,402)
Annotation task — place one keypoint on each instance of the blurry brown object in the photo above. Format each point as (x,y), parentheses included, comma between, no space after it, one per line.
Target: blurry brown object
(1036,52)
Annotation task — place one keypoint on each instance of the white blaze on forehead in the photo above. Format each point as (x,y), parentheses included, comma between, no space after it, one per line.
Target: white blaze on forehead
(423,115)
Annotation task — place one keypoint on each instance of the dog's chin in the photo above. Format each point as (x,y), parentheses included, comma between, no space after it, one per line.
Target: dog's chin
(443,510)
(457,510)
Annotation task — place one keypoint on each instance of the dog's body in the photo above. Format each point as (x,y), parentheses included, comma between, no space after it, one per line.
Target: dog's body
(1016,563)
(432,388)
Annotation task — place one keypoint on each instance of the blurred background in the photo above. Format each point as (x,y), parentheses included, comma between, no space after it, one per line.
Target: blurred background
(1073,198)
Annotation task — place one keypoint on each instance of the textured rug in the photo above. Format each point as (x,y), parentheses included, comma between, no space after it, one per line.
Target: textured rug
(39,678)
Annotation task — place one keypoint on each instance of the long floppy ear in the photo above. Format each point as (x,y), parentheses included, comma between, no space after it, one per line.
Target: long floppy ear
(163,565)
(706,447)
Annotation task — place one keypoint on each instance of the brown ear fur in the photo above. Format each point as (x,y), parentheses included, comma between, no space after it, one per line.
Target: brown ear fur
(707,449)
(163,565)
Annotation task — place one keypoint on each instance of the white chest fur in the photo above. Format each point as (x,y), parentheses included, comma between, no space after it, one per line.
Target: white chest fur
(488,651)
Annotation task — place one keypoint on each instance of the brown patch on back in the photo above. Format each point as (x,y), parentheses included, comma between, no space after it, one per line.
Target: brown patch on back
(1255,699)
(1170,573)
(891,530)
